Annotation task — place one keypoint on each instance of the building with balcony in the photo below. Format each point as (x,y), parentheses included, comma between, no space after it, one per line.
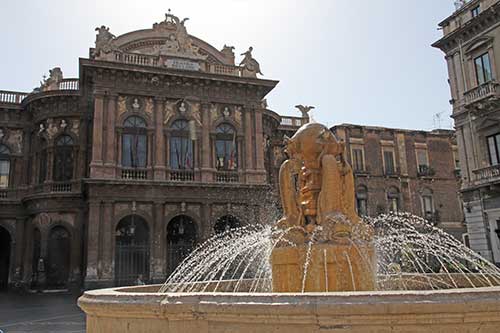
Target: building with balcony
(471,43)
(116,175)
(406,170)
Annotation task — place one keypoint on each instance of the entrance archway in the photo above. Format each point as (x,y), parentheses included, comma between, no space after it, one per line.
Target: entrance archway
(4,258)
(226,223)
(58,259)
(131,251)
(37,252)
(181,238)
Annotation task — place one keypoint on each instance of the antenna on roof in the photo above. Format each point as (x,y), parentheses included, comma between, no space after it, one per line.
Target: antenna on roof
(437,120)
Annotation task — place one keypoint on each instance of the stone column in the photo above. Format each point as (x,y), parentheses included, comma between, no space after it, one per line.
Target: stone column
(97,158)
(110,160)
(93,243)
(108,241)
(19,249)
(206,169)
(158,260)
(159,161)
(248,140)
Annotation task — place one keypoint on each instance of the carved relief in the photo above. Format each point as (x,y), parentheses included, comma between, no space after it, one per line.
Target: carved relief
(15,140)
(213,113)
(104,42)
(170,209)
(51,128)
(195,113)
(52,83)
(75,128)
(168,111)
(122,105)
(238,115)
(149,107)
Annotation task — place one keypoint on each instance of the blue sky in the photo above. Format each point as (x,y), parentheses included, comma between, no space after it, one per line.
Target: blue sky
(358,61)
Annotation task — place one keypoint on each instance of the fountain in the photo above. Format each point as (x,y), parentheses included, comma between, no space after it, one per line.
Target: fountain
(320,268)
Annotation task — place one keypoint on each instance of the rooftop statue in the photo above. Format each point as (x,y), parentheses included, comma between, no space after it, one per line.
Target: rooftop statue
(249,66)
(103,41)
(52,82)
(304,109)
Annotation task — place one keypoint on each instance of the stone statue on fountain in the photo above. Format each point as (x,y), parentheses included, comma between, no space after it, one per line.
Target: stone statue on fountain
(317,195)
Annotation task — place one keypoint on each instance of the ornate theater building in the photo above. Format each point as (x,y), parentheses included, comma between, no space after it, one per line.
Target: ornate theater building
(113,177)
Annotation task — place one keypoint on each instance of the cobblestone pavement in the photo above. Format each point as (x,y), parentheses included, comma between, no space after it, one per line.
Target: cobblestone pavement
(40,313)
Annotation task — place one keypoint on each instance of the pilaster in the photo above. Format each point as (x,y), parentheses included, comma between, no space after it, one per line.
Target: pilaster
(159,151)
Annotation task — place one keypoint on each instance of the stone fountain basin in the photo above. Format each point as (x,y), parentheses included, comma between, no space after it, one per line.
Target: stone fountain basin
(141,309)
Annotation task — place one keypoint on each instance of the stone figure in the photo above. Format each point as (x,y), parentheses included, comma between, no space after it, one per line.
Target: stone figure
(104,41)
(52,83)
(320,220)
(182,107)
(135,105)
(63,124)
(41,128)
(250,67)
(304,109)
(51,128)
(325,182)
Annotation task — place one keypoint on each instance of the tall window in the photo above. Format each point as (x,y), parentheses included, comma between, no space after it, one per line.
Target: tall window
(357,158)
(475,11)
(393,199)
(494,149)
(389,165)
(181,147)
(134,143)
(483,69)
(362,200)
(225,148)
(427,204)
(63,159)
(42,161)
(422,161)
(4,166)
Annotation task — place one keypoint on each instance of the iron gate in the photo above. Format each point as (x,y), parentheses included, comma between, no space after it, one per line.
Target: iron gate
(131,263)
(176,254)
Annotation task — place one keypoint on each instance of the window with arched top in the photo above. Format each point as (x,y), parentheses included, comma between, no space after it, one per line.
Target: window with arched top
(226,150)
(4,166)
(181,146)
(362,200)
(64,158)
(393,199)
(42,161)
(134,143)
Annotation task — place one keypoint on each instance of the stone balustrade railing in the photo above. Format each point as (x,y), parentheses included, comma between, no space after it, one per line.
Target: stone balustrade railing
(292,121)
(134,174)
(181,175)
(154,61)
(69,84)
(12,97)
(488,174)
(483,91)
(227,177)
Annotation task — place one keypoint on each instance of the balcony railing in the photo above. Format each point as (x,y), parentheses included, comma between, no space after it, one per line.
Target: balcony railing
(135,174)
(488,174)
(487,90)
(12,97)
(181,175)
(62,187)
(292,121)
(136,59)
(227,177)
(69,84)
(4,194)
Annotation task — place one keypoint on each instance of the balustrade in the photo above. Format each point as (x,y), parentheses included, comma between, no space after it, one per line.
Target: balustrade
(227,177)
(12,97)
(292,121)
(181,175)
(483,91)
(488,174)
(135,174)
(69,84)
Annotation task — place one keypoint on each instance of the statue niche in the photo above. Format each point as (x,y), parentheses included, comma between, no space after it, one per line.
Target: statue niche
(320,219)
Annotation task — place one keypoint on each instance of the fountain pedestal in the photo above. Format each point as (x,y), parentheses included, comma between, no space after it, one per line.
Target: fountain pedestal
(331,267)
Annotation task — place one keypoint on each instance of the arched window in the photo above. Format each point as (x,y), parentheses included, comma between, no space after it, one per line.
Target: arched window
(181,238)
(42,161)
(362,200)
(427,204)
(393,199)
(4,166)
(134,143)
(181,147)
(225,148)
(63,158)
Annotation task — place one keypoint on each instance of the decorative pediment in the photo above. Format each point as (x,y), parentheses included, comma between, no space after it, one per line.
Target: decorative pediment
(483,42)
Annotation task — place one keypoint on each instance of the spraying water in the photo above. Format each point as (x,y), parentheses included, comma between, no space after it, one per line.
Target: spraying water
(411,254)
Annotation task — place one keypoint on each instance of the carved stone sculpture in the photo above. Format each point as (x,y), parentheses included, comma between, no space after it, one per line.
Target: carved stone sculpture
(249,66)
(304,109)
(317,194)
(52,82)
(104,42)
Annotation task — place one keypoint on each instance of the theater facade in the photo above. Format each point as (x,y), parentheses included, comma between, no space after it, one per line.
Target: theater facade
(113,177)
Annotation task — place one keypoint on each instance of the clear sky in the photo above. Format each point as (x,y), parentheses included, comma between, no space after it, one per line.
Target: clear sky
(358,61)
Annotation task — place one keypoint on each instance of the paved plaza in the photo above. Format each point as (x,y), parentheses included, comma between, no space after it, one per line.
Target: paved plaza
(40,313)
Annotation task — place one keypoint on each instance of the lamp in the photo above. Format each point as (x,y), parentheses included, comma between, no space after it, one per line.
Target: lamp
(181,228)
